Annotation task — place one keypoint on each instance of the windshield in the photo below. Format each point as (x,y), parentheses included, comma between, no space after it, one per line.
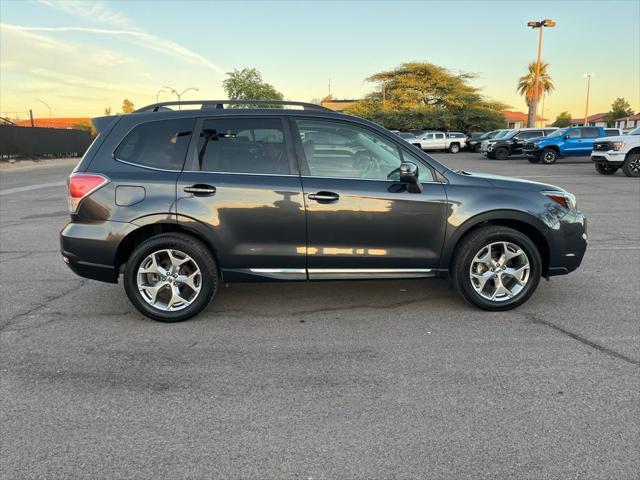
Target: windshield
(501,134)
(511,134)
(635,131)
(558,133)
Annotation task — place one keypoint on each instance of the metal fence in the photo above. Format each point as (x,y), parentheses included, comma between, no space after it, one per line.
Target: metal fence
(28,142)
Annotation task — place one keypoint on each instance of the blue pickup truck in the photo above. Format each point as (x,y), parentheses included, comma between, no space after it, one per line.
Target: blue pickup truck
(570,141)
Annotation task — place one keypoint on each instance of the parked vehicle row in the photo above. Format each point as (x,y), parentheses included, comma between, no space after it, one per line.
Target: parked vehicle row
(610,150)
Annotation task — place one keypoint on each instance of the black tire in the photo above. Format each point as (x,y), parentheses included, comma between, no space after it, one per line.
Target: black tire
(473,243)
(192,247)
(454,148)
(533,159)
(631,165)
(501,153)
(549,156)
(604,169)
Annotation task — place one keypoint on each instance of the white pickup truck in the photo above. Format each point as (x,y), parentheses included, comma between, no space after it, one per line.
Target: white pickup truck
(621,151)
(432,140)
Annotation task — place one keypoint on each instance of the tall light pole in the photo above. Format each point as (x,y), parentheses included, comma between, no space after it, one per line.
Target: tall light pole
(533,107)
(48,108)
(586,108)
(175,92)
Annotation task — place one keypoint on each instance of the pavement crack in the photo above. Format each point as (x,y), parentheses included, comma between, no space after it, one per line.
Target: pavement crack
(42,304)
(585,341)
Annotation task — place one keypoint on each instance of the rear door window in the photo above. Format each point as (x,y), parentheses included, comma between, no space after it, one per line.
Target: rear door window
(242,145)
(590,132)
(575,133)
(161,144)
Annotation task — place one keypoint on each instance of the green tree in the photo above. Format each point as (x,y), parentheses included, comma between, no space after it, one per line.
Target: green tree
(127,106)
(619,108)
(420,95)
(527,86)
(247,84)
(562,120)
(107,110)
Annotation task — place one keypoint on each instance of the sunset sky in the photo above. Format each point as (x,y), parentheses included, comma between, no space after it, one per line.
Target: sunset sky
(80,57)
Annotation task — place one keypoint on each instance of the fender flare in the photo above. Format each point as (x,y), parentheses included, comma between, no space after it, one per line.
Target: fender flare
(494,216)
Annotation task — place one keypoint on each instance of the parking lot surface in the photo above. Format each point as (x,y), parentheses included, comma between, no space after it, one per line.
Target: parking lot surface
(387,379)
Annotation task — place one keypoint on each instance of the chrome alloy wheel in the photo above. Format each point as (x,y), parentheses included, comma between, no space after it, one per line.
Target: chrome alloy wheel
(169,280)
(499,271)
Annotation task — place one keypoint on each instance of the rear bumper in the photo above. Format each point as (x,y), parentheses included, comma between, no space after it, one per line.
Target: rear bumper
(568,244)
(89,249)
(608,157)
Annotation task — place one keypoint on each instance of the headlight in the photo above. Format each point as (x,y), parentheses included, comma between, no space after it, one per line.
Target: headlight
(618,146)
(566,199)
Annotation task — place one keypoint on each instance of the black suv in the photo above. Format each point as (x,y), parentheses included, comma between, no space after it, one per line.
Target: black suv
(513,142)
(178,201)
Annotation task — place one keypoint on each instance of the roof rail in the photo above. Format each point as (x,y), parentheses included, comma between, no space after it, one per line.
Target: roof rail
(207,104)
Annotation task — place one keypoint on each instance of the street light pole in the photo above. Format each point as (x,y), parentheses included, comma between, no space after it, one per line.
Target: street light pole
(533,106)
(48,108)
(175,92)
(586,108)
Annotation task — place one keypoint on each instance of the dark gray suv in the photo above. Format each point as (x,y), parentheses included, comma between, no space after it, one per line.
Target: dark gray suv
(178,201)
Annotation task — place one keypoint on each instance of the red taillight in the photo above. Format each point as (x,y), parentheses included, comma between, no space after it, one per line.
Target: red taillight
(81,185)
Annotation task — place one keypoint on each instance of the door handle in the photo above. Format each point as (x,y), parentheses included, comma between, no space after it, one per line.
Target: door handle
(324,196)
(200,190)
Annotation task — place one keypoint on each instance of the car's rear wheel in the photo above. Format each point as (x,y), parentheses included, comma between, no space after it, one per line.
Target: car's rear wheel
(631,165)
(171,277)
(548,156)
(496,268)
(501,153)
(454,148)
(604,169)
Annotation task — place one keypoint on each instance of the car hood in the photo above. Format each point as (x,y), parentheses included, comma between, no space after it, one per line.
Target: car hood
(499,181)
(620,138)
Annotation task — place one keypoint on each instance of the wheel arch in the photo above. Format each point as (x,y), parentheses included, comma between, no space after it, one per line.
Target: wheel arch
(155,227)
(632,151)
(521,222)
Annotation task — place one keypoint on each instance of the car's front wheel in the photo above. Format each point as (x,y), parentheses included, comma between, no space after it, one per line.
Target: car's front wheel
(496,268)
(501,153)
(454,148)
(604,169)
(535,159)
(171,277)
(549,156)
(631,165)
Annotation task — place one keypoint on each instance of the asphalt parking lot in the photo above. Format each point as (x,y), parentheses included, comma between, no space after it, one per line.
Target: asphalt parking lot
(328,380)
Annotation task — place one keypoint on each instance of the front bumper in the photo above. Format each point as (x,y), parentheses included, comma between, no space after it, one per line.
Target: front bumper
(89,249)
(567,244)
(610,157)
(535,153)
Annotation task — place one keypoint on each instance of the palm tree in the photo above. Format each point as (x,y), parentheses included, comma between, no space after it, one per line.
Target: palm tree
(526,86)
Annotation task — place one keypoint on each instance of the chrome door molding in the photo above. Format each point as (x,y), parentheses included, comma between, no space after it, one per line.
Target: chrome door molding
(293,274)
(367,273)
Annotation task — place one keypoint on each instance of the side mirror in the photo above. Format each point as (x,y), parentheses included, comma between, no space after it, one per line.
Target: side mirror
(566,137)
(409,175)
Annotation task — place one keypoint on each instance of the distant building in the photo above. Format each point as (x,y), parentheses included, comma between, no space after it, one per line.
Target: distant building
(629,122)
(595,120)
(337,105)
(519,119)
(54,122)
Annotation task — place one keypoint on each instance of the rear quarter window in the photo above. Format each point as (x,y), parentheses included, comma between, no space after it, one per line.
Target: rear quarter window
(161,144)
